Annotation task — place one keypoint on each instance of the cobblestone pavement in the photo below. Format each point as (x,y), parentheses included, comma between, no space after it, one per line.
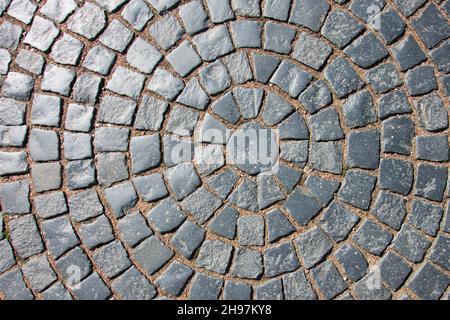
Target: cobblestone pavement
(119,169)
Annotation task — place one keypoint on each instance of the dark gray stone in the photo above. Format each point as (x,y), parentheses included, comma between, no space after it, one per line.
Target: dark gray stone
(265,66)
(201,204)
(340,28)
(280,259)
(393,103)
(297,287)
(302,207)
(96,232)
(269,290)
(132,285)
(425,216)
(396,175)
(432,114)
(393,270)
(278,225)
(152,254)
(359,110)
(133,228)
(205,287)
(214,255)
(234,290)
(353,262)
(408,53)
(174,278)
(311,51)
(372,237)
(398,134)
(420,80)
(247,264)
(342,77)
(322,189)
(224,224)
(278,38)
(431,182)
(112,259)
(429,283)
(366,50)
(92,288)
(431,26)
(363,149)
(326,157)
(410,244)
(121,198)
(59,235)
(432,148)
(313,245)
(316,96)
(309,13)
(338,221)
(187,239)
(328,280)
(325,125)
(357,189)
(384,78)
(290,78)
(390,209)
(166,216)
(84,205)
(25,237)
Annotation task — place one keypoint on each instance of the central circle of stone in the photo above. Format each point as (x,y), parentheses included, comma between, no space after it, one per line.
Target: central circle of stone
(253,148)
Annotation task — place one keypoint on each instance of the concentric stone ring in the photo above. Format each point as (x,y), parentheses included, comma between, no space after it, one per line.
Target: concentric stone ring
(224,149)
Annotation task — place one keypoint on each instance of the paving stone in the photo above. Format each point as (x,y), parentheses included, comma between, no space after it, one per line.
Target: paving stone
(214,255)
(408,53)
(311,51)
(110,5)
(363,8)
(277,9)
(137,14)
(176,150)
(183,180)
(226,108)
(288,177)
(249,101)
(13,163)
(440,57)
(213,43)
(342,77)
(10,35)
(184,58)
(393,103)
(389,209)
(144,152)
(126,82)
(87,21)
(372,237)
(193,16)
(96,232)
(166,216)
(51,204)
(108,139)
(46,176)
(17,86)
(291,79)
(310,14)
(325,125)
(429,283)
(357,189)
(220,11)
(265,66)
(12,112)
(57,292)
(340,28)
(152,254)
(5,60)
(224,224)
(268,191)
(433,116)
(201,204)
(297,287)
(57,10)
(44,145)
(338,221)
(116,36)
(209,159)
(143,56)
(46,110)
(316,96)
(79,118)
(99,59)
(42,34)
(322,189)
(278,38)
(249,8)
(238,67)
(22,10)
(205,287)
(7,256)
(112,259)
(276,109)
(13,287)
(396,175)
(75,259)
(359,110)
(425,216)
(393,270)
(328,280)
(58,80)
(187,239)
(384,78)
(313,245)
(121,198)
(67,50)
(132,285)
(366,50)
(30,61)
(166,31)
(39,273)
(432,148)
(431,182)
(278,225)
(269,290)
(14,197)
(280,259)
(363,149)
(163,5)
(431,26)
(174,278)
(410,244)
(246,34)
(215,78)
(439,251)
(250,230)
(165,84)
(13,136)
(234,290)
(409,7)
(365,289)
(182,121)
(111,168)
(247,264)
(92,288)
(397,135)
(133,228)
(326,157)
(353,262)
(420,80)
(77,146)
(59,235)
(150,113)
(391,24)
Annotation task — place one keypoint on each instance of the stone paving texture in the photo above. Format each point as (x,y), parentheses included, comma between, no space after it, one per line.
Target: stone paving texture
(121,173)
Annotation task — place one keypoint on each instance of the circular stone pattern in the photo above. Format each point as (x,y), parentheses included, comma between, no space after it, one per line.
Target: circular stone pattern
(224,149)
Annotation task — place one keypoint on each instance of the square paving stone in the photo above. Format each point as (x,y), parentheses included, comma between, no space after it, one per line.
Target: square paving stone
(393,103)
(30,61)
(353,261)
(165,84)
(11,34)
(393,270)
(176,150)
(182,121)
(269,290)
(439,252)
(143,56)
(278,225)
(338,221)
(84,205)
(325,125)
(396,175)
(277,9)
(17,86)
(46,110)
(42,34)
(213,43)
(440,56)
(408,7)
(133,228)
(384,78)
(96,232)
(99,59)
(59,235)
(13,287)
(420,80)
(391,25)
(22,10)
(79,118)
(297,287)
(246,34)
(326,157)
(390,209)
(187,239)
(234,290)
(342,77)
(137,14)
(109,139)
(425,216)
(316,96)
(174,278)
(144,151)
(166,216)
(251,230)
(116,110)
(166,31)
(357,189)
(126,82)
(372,237)
(302,207)
(322,189)
(116,36)
(408,53)
(111,168)
(410,244)
(183,179)
(362,8)
(152,254)
(151,187)
(247,264)
(278,38)
(238,67)
(112,259)
(205,287)
(46,176)
(220,11)
(193,16)
(432,148)
(431,182)
(67,50)
(7,259)
(328,280)
(431,26)
(77,146)
(365,289)
(132,285)
(193,95)
(87,21)
(51,204)
(340,28)
(184,58)
(311,51)
(366,50)
(57,292)
(429,283)
(38,272)
(25,237)
(44,145)
(121,198)
(214,255)
(249,8)
(313,245)
(225,223)
(58,80)
(13,136)
(13,163)
(280,259)
(431,111)
(215,77)
(309,13)
(363,149)
(201,204)
(150,113)
(291,79)
(398,135)
(92,288)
